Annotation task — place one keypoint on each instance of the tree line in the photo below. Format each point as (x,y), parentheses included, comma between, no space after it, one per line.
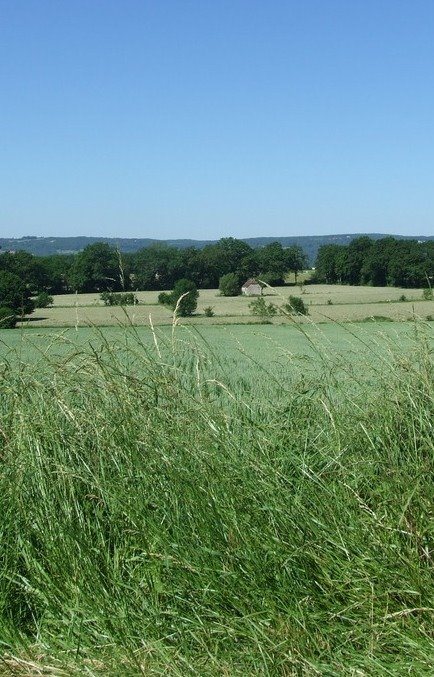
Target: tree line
(385,262)
(101,267)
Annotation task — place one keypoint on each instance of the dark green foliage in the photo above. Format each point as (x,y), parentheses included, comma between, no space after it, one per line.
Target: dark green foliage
(119,298)
(165,298)
(228,255)
(15,294)
(57,269)
(28,268)
(157,267)
(209,312)
(183,298)
(229,285)
(99,267)
(8,318)
(43,300)
(387,261)
(296,306)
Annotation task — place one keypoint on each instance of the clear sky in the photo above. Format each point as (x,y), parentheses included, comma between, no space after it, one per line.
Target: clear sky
(209,118)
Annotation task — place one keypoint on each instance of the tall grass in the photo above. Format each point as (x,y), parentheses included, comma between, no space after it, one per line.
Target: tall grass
(162,513)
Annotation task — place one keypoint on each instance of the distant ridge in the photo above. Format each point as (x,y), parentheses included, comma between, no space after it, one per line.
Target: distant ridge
(44,246)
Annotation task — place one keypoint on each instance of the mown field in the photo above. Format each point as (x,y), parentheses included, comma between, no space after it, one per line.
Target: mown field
(222,500)
(335,303)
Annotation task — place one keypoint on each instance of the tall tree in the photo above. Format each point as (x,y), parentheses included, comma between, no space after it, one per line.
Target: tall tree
(99,267)
(157,267)
(296,260)
(273,263)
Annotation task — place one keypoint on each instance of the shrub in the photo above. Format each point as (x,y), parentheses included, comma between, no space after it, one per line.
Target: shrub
(165,298)
(296,306)
(119,299)
(262,309)
(208,311)
(402,297)
(183,298)
(43,300)
(8,319)
(230,285)
(427,294)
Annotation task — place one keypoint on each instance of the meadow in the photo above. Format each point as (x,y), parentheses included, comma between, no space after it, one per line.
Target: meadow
(217,500)
(326,303)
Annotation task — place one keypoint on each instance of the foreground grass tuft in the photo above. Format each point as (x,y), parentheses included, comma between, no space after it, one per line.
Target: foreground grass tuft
(160,516)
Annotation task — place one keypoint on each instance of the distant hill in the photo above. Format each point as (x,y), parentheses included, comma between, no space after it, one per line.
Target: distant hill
(43,246)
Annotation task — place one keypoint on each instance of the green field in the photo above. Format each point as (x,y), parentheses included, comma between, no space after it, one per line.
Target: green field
(217,500)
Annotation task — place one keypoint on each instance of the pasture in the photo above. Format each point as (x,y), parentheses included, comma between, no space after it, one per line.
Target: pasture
(326,303)
(217,500)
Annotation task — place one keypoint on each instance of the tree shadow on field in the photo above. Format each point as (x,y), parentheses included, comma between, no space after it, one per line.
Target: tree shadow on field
(26,320)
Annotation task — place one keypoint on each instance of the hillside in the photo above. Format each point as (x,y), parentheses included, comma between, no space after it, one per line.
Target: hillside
(43,246)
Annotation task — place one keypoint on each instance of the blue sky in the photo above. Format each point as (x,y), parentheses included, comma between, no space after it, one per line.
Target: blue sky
(205,118)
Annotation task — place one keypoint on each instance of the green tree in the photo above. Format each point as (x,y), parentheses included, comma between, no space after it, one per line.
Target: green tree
(357,254)
(28,268)
(375,269)
(228,255)
(43,300)
(15,294)
(57,267)
(157,267)
(295,260)
(183,298)
(327,263)
(272,263)
(229,285)
(99,267)
(8,319)
(296,306)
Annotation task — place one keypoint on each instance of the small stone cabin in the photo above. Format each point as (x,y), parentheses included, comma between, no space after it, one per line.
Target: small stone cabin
(251,288)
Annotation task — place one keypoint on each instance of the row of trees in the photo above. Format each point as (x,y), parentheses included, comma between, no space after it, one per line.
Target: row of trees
(101,267)
(384,262)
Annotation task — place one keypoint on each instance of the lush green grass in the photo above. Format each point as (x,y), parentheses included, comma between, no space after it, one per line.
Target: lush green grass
(249,501)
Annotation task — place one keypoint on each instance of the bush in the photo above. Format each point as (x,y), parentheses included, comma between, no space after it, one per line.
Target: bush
(8,319)
(43,300)
(262,309)
(427,294)
(119,299)
(208,311)
(165,298)
(296,306)
(183,298)
(230,285)
(402,297)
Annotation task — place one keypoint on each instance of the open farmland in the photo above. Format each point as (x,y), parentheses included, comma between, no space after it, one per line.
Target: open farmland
(337,303)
